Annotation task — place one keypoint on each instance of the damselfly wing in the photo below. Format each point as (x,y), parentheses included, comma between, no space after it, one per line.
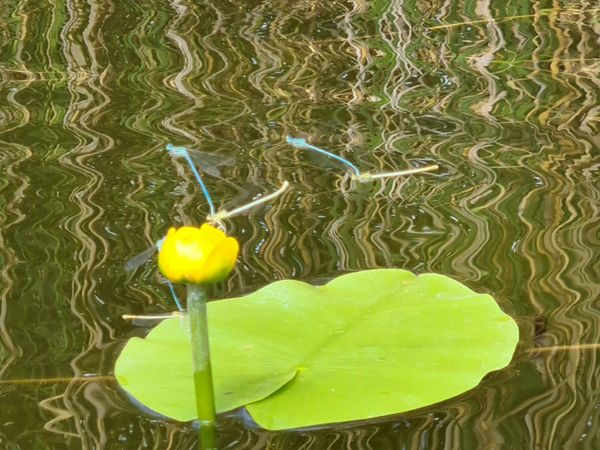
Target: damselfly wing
(140,259)
(210,163)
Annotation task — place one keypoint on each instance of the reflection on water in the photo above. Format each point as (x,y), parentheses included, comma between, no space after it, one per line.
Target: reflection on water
(502,95)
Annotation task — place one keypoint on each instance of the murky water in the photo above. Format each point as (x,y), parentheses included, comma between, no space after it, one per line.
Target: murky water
(503,95)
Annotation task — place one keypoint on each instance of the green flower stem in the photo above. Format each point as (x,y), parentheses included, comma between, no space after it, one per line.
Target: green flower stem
(203,382)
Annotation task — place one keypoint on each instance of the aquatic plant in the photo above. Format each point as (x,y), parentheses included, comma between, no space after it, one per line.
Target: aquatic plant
(365,345)
(199,256)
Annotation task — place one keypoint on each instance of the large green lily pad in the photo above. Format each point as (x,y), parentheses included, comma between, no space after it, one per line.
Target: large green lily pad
(365,345)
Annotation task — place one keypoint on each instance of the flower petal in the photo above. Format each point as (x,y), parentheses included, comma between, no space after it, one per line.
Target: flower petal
(210,233)
(221,261)
(197,255)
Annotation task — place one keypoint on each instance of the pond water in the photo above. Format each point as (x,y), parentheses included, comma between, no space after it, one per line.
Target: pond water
(503,95)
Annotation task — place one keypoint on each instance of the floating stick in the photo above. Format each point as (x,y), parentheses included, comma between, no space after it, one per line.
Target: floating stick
(96,378)
(173,315)
(555,348)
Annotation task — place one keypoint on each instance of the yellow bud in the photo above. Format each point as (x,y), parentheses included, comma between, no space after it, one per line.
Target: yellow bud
(197,255)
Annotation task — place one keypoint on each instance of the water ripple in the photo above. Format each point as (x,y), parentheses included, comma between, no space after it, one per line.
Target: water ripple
(502,97)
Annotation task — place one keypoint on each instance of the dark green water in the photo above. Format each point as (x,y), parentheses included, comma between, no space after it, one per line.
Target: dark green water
(507,105)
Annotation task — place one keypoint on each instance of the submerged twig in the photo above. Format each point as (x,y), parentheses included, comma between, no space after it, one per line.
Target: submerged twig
(173,315)
(541,12)
(574,347)
(475,22)
(57,380)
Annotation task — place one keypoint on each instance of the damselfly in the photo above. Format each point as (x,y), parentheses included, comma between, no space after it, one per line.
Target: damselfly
(353,169)
(207,163)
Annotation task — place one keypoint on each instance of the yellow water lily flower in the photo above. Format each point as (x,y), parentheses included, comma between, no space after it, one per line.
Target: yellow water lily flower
(197,255)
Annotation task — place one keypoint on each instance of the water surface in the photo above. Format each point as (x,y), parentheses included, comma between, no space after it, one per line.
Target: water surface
(503,95)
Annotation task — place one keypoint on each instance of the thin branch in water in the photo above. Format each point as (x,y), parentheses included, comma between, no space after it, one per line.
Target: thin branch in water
(543,12)
(58,380)
(173,315)
(574,347)
(476,22)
